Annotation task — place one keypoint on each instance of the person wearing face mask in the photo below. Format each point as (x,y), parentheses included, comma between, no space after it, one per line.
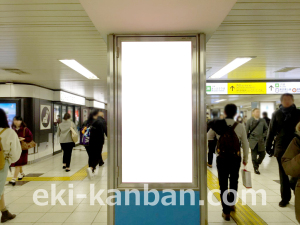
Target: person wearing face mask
(256,129)
(282,127)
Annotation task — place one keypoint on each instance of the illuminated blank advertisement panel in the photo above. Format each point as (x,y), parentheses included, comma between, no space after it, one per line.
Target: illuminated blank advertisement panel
(157,112)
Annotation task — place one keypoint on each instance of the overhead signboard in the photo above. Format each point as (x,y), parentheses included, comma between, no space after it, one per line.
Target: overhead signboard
(283,87)
(247,88)
(69,98)
(99,105)
(254,88)
(219,88)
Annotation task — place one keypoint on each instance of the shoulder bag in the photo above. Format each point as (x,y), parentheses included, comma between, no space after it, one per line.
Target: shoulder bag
(27,145)
(74,134)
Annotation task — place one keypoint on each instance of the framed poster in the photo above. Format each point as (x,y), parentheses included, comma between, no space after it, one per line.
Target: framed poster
(85,114)
(45,117)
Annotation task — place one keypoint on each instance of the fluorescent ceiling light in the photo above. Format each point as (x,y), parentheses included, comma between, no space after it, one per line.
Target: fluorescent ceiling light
(79,68)
(231,66)
(221,100)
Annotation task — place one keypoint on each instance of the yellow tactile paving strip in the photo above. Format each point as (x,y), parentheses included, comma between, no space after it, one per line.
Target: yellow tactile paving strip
(244,214)
(79,175)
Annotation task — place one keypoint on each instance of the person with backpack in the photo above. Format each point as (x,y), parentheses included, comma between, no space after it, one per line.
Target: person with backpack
(66,141)
(291,165)
(102,130)
(257,129)
(10,151)
(281,130)
(229,134)
(85,140)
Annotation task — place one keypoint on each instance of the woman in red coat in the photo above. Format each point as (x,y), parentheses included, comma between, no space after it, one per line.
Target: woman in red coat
(24,134)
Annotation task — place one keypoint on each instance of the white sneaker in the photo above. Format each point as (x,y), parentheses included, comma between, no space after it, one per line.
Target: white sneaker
(90,173)
(96,171)
(21,176)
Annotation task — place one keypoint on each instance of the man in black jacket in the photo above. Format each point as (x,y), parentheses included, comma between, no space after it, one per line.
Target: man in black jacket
(266,118)
(282,127)
(97,136)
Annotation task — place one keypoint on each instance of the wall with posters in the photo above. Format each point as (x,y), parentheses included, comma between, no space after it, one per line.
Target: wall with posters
(36,106)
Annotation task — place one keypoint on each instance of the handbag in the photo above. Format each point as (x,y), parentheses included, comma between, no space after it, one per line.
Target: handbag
(2,158)
(27,145)
(74,135)
(247,182)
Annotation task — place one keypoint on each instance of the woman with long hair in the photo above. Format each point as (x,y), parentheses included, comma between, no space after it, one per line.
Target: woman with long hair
(24,134)
(66,141)
(10,145)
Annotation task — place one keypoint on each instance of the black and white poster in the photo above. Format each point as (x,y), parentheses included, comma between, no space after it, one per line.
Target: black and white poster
(45,117)
(85,114)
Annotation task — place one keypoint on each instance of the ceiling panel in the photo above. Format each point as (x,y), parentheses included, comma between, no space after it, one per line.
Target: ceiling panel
(35,34)
(267,29)
(157,16)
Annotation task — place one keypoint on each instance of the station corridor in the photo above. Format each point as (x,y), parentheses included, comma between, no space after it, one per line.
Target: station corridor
(41,175)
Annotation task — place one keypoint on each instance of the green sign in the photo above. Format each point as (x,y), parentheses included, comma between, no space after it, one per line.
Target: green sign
(208,88)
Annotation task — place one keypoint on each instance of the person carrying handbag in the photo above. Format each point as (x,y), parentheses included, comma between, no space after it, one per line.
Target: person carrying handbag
(67,138)
(26,142)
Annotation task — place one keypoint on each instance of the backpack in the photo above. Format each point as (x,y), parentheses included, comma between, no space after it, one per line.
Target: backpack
(229,143)
(2,158)
(86,131)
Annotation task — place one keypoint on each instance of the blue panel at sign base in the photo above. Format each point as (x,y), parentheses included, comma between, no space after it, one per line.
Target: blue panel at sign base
(159,214)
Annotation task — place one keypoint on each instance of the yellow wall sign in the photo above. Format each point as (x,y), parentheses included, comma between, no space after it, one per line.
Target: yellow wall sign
(247,88)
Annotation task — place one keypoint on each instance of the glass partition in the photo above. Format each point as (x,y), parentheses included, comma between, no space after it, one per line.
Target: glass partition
(63,110)
(71,112)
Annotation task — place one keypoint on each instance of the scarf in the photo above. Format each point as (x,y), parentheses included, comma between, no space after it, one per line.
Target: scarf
(287,111)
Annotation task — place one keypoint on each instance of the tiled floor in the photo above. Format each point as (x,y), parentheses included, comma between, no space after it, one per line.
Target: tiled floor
(19,198)
(271,213)
(20,201)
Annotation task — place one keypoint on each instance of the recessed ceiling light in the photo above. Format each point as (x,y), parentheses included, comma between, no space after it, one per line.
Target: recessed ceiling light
(79,68)
(221,100)
(231,66)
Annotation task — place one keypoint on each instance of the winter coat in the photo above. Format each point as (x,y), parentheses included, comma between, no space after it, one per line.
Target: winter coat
(283,128)
(291,164)
(258,135)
